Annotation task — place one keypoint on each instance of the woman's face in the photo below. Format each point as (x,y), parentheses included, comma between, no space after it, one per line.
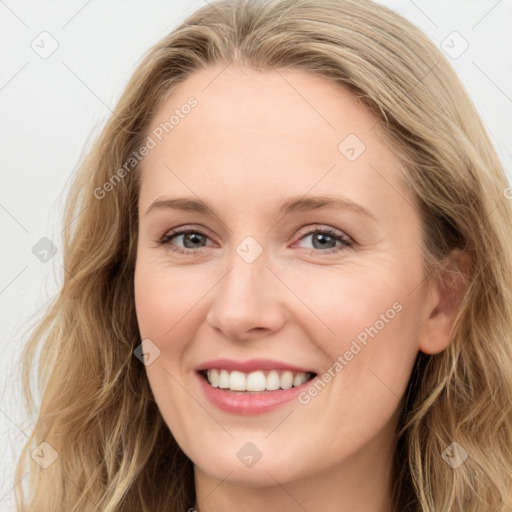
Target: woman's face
(263,163)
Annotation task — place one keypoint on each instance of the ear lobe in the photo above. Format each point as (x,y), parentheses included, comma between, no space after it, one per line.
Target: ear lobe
(445,296)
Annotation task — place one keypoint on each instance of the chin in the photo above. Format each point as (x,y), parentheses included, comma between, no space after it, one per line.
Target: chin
(259,476)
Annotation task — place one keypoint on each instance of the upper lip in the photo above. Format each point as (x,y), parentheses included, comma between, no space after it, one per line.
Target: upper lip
(250,365)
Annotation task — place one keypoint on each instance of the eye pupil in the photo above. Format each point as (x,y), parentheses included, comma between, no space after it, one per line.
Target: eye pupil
(195,238)
(322,238)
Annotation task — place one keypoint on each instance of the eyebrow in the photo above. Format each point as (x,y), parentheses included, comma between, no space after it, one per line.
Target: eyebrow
(292,205)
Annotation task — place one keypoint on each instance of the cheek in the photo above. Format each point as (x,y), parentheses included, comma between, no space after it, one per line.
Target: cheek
(164,302)
(342,304)
(366,324)
(163,296)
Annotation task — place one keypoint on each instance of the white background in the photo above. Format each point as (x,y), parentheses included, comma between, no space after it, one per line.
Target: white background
(51,109)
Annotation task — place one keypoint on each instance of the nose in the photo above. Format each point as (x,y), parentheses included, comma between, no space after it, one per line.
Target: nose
(248,301)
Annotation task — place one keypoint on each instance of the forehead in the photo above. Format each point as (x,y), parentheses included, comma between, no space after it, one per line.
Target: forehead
(259,136)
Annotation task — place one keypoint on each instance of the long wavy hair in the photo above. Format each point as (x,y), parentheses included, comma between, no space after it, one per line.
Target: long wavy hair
(97,411)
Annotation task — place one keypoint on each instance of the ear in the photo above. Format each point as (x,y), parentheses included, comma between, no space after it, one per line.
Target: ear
(444,297)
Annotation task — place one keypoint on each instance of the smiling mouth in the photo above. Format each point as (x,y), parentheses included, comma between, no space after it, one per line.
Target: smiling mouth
(257,382)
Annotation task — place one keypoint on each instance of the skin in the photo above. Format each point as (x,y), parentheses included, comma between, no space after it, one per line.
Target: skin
(255,139)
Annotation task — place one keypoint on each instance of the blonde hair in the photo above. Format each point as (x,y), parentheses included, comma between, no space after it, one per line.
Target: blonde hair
(115,453)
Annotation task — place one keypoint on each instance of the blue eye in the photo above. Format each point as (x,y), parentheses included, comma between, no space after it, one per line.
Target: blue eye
(192,239)
(189,236)
(323,237)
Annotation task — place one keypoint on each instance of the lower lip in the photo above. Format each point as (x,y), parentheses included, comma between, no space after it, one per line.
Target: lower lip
(248,404)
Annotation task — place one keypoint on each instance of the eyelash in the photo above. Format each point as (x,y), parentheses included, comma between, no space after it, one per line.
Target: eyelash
(345,240)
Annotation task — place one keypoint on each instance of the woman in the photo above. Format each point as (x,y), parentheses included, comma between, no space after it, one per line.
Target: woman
(209,351)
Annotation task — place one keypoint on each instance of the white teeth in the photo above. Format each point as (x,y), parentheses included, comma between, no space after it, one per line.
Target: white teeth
(213,378)
(273,381)
(255,381)
(287,380)
(299,379)
(237,381)
(224,379)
